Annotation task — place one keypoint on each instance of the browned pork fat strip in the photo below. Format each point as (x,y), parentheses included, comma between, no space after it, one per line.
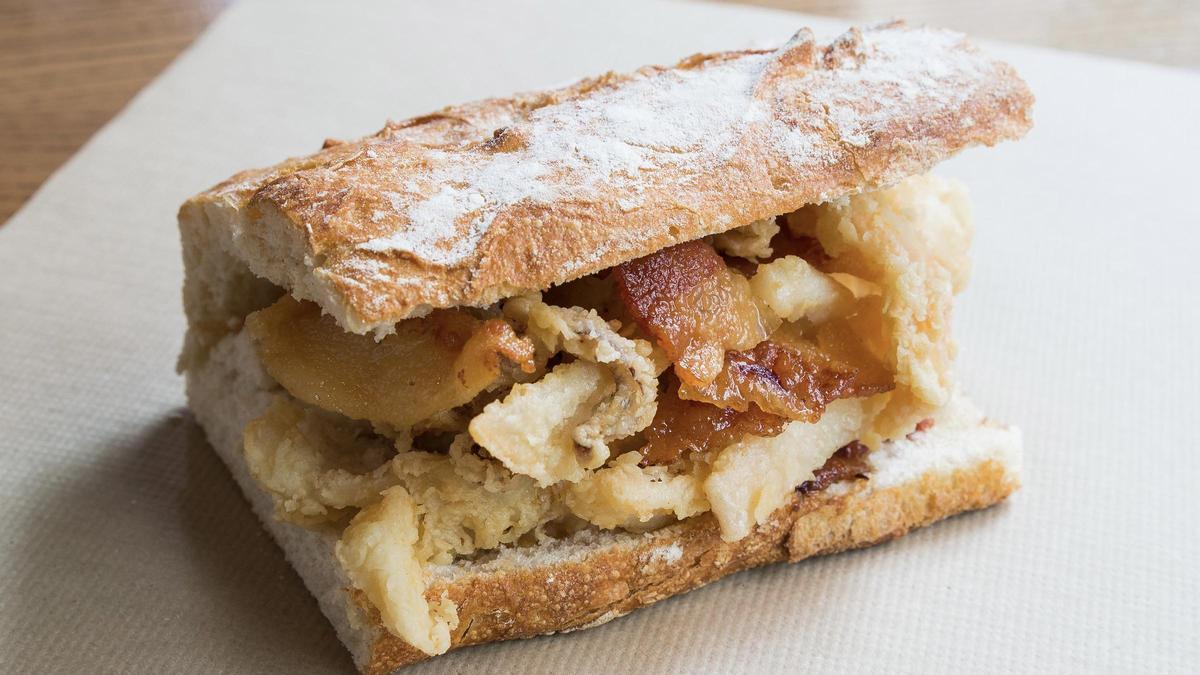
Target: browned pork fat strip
(693,305)
(850,461)
(682,427)
(793,381)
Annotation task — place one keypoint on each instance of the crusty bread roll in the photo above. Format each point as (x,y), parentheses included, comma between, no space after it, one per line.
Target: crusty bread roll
(483,202)
(963,462)
(479,202)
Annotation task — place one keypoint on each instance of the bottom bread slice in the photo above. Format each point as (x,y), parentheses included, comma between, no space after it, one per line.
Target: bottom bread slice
(962,462)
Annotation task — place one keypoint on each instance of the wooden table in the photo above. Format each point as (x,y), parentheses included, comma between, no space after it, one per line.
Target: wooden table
(67,66)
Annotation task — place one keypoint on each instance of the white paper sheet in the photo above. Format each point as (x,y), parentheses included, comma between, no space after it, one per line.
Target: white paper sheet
(125,547)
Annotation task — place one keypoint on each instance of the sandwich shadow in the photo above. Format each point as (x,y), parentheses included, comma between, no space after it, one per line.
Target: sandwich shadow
(145,557)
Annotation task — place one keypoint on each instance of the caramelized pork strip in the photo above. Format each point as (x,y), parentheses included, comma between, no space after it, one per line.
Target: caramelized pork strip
(681,427)
(694,306)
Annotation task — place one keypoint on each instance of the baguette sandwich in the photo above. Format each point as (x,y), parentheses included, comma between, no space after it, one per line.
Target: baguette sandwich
(524,365)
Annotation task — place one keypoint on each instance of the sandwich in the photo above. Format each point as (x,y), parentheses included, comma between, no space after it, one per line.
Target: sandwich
(524,365)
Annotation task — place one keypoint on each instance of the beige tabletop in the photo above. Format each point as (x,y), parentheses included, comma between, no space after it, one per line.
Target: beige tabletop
(67,66)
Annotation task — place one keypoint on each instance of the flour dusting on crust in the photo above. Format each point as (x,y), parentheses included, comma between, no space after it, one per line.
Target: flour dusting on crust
(578,149)
(479,202)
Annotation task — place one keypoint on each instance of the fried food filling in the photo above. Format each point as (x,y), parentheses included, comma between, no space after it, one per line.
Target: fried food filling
(721,375)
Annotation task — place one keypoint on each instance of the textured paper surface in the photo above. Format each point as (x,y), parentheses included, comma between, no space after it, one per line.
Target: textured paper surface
(125,546)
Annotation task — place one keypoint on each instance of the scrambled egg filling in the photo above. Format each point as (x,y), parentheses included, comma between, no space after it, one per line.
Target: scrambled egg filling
(470,430)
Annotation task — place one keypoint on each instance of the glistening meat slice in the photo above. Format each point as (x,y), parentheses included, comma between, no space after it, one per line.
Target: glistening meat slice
(428,365)
(682,427)
(694,306)
(795,381)
(850,461)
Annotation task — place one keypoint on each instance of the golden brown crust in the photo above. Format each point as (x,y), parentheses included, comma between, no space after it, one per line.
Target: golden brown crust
(504,603)
(481,201)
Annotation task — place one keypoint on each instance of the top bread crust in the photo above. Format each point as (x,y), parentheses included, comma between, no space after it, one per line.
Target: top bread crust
(482,201)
